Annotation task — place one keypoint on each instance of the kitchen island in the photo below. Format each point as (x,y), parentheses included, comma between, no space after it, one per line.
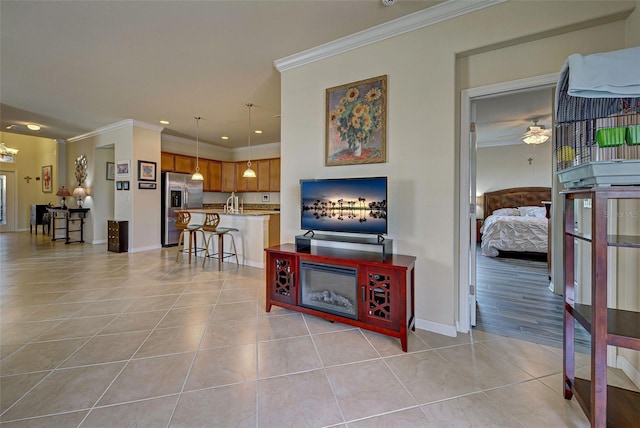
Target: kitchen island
(258,229)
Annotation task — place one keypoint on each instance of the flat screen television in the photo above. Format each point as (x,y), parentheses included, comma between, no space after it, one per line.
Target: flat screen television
(354,205)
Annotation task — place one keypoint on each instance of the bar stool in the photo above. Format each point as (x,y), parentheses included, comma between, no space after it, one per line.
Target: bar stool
(184,222)
(211,226)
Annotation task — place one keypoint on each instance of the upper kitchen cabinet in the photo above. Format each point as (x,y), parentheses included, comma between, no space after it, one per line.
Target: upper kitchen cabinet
(246,184)
(262,170)
(274,175)
(167,162)
(184,164)
(215,176)
(228,176)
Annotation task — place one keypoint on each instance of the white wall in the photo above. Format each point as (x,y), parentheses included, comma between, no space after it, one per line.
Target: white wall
(423,94)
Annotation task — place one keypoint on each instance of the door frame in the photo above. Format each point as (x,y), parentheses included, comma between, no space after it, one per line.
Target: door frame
(12,202)
(466,97)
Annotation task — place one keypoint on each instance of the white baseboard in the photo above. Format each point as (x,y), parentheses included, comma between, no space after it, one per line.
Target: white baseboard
(99,241)
(447,330)
(141,249)
(633,373)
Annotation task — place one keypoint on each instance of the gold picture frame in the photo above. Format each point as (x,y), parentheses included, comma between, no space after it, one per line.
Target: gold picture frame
(356,123)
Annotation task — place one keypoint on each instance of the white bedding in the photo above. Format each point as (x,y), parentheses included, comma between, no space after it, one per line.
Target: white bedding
(514,233)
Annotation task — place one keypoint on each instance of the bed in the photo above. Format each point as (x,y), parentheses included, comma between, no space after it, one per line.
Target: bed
(516,220)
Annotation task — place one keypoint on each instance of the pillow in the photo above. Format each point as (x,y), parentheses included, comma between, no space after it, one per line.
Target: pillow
(507,211)
(540,212)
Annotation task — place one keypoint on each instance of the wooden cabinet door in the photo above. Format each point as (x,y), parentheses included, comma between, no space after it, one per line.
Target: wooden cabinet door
(246,184)
(167,162)
(215,176)
(203,164)
(274,175)
(281,277)
(262,170)
(185,164)
(228,176)
(380,296)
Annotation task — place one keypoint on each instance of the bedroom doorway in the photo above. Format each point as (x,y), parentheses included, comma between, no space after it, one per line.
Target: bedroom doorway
(471,101)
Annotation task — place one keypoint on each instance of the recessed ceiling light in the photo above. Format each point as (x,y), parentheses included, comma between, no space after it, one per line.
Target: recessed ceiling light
(164,122)
(257,131)
(224,137)
(33,127)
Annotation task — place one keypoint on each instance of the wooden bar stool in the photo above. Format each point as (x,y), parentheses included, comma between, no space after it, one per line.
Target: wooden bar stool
(184,222)
(211,226)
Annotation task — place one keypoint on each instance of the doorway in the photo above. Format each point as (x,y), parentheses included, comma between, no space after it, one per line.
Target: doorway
(8,204)
(468,215)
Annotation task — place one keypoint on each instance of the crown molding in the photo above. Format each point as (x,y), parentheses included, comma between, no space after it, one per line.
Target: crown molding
(433,15)
(127,123)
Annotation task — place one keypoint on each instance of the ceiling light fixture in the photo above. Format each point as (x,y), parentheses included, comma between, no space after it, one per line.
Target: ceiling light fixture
(536,134)
(4,150)
(224,137)
(34,127)
(249,173)
(164,122)
(196,175)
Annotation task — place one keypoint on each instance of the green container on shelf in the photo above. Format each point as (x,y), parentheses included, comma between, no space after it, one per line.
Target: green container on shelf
(610,137)
(633,135)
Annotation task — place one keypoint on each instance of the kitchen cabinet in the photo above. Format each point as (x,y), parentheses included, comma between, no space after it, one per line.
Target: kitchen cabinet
(274,175)
(184,164)
(215,176)
(263,168)
(604,404)
(203,164)
(228,176)
(246,184)
(167,162)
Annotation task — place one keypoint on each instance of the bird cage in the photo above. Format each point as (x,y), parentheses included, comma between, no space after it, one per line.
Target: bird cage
(597,140)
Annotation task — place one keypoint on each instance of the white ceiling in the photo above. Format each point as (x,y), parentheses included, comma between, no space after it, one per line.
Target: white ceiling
(503,119)
(76,66)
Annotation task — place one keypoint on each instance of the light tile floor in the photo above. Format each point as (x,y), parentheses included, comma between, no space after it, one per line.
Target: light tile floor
(91,338)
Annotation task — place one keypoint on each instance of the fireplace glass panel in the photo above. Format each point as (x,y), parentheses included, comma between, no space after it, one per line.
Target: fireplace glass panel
(329,288)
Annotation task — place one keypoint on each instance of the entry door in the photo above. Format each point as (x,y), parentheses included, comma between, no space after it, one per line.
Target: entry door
(8,214)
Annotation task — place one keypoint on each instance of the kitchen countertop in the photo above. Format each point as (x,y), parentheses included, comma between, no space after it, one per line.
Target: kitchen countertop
(243,213)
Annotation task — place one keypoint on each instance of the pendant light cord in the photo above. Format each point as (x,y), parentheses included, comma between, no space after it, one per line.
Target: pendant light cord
(197,118)
(249,134)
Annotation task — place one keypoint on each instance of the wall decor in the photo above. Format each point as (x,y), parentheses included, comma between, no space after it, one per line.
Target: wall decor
(111,170)
(122,168)
(81,169)
(146,171)
(356,123)
(47,179)
(125,185)
(147,186)
(118,185)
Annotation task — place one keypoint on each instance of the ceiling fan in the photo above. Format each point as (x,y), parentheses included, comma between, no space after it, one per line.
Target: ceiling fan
(536,134)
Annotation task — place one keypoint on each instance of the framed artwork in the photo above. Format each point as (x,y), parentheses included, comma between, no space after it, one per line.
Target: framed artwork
(118,185)
(122,168)
(147,186)
(47,179)
(356,128)
(111,171)
(125,185)
(146,171)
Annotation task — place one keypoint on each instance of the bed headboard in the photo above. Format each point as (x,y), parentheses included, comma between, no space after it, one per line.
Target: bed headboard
(515,197)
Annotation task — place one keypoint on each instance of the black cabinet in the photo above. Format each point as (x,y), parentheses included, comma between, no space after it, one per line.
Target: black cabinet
(38,218)
(118,236)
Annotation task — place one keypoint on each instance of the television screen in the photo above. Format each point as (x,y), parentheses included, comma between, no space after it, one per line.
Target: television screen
(356,205)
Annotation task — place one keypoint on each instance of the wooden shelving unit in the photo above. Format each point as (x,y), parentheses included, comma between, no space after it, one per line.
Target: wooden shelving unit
(603,404)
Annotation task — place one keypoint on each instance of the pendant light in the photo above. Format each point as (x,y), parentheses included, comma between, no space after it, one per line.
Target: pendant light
(196,175)
(249,173)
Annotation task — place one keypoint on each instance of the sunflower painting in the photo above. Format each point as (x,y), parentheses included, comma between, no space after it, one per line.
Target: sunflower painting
(356,130)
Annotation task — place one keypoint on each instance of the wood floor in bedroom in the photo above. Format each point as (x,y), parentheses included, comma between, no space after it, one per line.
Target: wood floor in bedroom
(513,299)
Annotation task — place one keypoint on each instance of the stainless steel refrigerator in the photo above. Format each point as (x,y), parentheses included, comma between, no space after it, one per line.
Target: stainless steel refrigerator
(179,191)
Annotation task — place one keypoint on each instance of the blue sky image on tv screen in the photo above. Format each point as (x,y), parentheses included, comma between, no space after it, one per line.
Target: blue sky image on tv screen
(356,205)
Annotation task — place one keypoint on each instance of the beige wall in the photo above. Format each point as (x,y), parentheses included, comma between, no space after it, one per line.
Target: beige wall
(35,152)
(508,166)
(422,123)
